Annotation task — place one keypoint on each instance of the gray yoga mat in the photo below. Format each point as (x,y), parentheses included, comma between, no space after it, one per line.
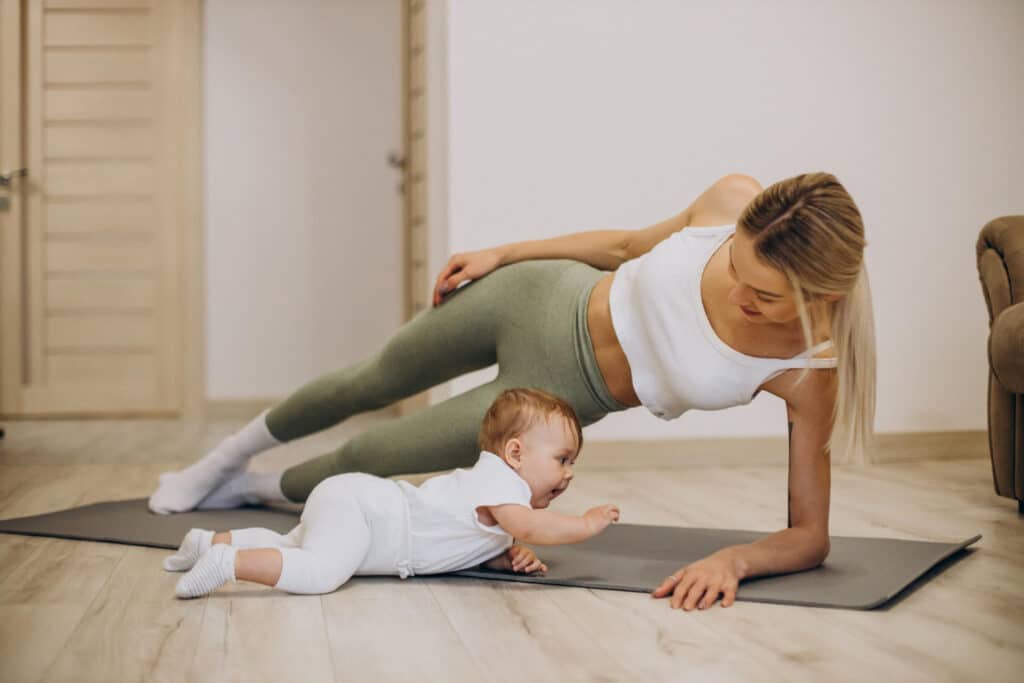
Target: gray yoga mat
(860,573)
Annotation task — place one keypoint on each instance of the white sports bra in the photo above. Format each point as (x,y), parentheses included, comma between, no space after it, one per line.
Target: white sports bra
(656,310)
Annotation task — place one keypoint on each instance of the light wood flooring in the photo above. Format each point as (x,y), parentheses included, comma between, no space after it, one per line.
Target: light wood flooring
(81,611)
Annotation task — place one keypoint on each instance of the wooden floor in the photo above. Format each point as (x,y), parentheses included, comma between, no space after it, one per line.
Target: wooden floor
(80,611)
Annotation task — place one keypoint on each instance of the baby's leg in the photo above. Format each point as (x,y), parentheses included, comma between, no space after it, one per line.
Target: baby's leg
(258,537)
(335,540)
(198,541)
(237,555)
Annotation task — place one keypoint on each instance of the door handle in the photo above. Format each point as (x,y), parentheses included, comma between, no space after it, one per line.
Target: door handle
(5,179)
(395,160)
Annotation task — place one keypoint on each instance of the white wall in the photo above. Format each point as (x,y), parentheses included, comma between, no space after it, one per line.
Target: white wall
(573,116)
(303,220)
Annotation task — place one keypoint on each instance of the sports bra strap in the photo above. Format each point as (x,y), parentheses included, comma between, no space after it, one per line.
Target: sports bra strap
(806,358)
(816,349)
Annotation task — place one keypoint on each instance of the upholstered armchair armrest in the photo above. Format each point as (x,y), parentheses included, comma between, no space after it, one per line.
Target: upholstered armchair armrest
(1000,254)
(1006,348)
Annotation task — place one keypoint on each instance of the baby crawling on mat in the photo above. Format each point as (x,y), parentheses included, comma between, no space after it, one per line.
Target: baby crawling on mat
(358,523)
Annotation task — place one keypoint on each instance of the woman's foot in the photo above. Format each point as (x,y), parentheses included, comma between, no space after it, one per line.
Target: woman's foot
(182,490)
(196,542)
(215,568)
(245,488)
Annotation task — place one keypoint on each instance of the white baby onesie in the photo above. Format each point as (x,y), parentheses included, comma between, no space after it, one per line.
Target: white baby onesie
(358,523)
(445,532)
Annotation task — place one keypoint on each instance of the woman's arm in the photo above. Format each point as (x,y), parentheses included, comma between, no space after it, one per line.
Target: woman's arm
(804,544)
(603,249)
(721,203)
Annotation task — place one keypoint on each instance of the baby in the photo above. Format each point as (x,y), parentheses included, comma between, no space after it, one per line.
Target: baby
(362,524)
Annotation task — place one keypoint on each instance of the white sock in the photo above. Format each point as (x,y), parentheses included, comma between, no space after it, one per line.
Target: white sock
(181,491)
(215,568)
(197,542)
(245,488)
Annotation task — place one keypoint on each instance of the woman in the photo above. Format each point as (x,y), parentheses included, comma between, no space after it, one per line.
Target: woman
(747,290)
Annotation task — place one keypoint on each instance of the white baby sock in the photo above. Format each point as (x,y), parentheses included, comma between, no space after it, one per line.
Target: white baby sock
(245,488)
(215,568)
(181,491)
(197,542)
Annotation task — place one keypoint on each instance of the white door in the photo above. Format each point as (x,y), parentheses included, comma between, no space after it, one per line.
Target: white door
(98,101)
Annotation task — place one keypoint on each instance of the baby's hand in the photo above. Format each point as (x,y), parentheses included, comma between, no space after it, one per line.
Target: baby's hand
(598,518)
(524,560)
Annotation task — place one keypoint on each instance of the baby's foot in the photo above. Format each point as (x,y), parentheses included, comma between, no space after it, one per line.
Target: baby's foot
(215,568)
(197,542)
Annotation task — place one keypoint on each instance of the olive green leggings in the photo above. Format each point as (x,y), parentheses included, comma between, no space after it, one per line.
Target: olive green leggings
(529,317)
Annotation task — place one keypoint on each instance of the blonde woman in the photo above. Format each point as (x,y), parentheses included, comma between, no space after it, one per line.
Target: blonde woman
(746,290)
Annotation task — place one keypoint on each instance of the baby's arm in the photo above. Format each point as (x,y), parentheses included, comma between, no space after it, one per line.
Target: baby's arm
(545,527)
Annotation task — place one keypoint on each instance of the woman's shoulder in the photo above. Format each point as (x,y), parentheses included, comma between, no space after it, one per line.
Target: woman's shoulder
(724,202)
(819,386)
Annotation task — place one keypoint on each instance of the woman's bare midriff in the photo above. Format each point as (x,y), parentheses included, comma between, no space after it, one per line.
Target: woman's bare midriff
(611,360)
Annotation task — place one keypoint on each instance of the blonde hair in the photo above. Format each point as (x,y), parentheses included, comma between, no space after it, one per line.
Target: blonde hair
(515,411)
(809,228)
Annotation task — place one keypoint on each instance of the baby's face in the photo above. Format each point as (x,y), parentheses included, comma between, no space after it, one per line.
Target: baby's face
(547,453)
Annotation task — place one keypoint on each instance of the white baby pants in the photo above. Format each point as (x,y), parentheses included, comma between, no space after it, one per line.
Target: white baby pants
(352,523)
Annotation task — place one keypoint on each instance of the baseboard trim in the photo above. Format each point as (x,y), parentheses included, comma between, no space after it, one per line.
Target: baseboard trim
(725,452)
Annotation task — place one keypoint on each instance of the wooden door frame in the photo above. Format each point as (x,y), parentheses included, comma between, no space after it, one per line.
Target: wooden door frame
(185,41)
(11,157)
(191,218)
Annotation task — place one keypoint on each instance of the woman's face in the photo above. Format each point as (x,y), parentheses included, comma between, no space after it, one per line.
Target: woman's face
(761,293)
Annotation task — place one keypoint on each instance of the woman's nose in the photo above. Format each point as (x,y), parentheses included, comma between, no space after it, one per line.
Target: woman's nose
(737,296)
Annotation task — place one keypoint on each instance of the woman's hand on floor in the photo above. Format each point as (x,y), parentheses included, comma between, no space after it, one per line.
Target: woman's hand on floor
(471,265)
(699,583)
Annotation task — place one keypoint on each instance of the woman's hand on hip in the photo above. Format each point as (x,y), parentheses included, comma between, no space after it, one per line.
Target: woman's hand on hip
(699,583)
(470,265)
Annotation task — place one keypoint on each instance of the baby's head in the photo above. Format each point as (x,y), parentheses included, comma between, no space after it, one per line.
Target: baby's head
(538,435)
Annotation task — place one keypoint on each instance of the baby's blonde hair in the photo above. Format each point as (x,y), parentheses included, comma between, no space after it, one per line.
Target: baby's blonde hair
(515,411)
(809,228)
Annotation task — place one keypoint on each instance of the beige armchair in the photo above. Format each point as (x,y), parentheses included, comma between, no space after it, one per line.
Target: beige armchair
(1001,269)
